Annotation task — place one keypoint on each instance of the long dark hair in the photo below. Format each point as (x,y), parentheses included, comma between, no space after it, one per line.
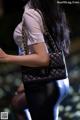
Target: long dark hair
(49,9)
(55,20)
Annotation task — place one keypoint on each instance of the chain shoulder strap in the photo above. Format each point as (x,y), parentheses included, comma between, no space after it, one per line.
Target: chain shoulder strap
(48,33)
(25,38)
(25,35)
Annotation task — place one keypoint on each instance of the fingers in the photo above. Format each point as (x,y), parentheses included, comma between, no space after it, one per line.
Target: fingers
(2,54)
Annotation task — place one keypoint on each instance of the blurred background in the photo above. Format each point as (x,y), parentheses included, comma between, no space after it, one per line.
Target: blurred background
(10,76)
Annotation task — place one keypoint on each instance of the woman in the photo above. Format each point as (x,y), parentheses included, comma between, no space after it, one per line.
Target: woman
(43,99)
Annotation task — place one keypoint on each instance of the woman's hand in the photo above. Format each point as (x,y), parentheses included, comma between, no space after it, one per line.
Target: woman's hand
(39,58)
(3,56)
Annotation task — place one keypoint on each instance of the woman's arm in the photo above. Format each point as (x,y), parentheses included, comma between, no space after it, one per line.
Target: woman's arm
(32,21)
(40,58)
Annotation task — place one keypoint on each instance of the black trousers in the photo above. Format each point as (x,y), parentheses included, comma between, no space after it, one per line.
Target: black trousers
(41,99)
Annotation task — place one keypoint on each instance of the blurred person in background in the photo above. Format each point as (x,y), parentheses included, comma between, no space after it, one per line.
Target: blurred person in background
(42,101)
(19,103)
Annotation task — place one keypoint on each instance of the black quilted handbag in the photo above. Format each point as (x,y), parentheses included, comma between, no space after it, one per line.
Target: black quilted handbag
(54,71)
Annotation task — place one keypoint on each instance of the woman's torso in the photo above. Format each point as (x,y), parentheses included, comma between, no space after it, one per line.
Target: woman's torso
(33,37)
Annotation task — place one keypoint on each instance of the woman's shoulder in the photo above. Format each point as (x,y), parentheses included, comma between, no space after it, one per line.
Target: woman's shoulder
(32,13)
